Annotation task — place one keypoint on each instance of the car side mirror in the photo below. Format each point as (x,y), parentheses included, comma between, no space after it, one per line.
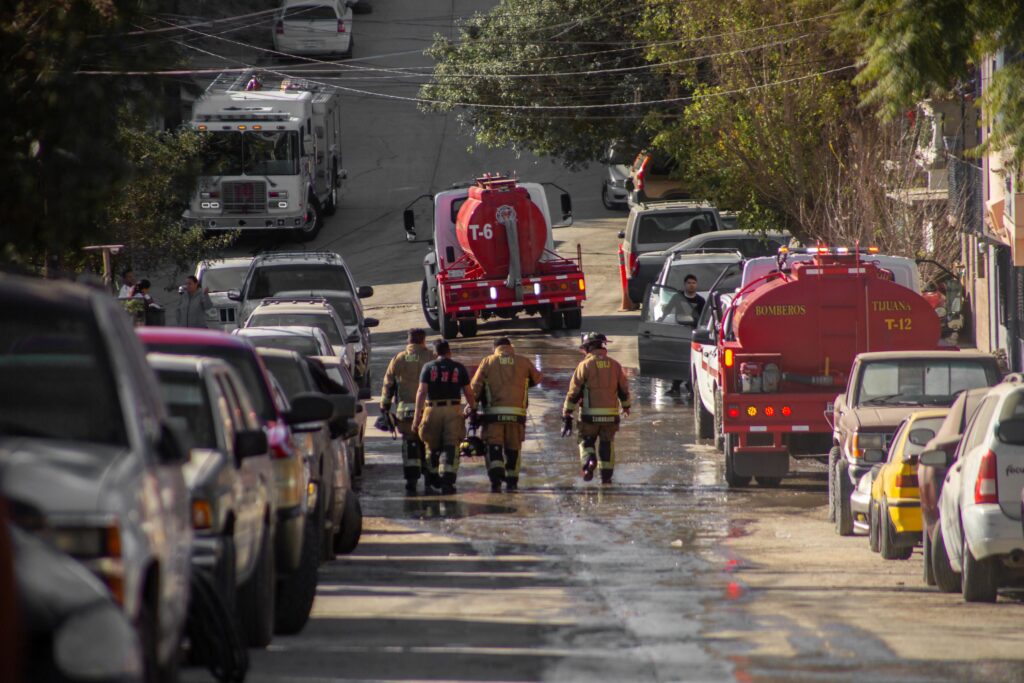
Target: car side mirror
(309,407)
(629,184)
(365,394)
(234,295)
(622,234)
(250,443)
(342,405)
(409,218)
(170,445)
(702,336)
(874,456)
(364,292)
(934,458)
(370,322)
(566,208)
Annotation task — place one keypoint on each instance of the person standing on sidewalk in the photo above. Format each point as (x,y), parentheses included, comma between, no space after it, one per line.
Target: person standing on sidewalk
(193,305)
(439,419)
(600,388)
(401,380)
(500,384)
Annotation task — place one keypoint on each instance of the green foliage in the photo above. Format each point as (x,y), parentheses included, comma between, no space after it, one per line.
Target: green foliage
(549,41)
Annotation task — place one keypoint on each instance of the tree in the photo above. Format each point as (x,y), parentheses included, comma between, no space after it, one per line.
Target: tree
(561,54)
(916,50)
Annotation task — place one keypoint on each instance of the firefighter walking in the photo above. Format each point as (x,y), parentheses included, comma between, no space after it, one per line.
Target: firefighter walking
(600,389)
(401,381)
(439,419)
(500,384)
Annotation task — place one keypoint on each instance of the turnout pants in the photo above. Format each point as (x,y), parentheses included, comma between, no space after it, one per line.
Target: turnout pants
(597,441)
(442,430)
(504,446)
(414,455)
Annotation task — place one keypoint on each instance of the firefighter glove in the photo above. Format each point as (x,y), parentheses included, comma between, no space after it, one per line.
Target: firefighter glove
(566,424)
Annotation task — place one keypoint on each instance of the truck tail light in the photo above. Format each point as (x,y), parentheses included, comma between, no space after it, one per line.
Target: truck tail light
(733,412)
(729,359)
(583,285)
(769,411)
(341,25)
(786,411)
(279,28)
(986,488)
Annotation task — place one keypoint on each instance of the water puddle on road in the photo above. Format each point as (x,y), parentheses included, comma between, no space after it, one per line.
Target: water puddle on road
(435,508)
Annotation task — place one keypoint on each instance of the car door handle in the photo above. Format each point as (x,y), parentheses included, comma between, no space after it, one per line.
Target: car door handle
(646,333)
(957,468)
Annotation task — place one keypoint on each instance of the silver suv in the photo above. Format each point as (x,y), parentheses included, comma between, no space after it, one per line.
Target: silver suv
(85,439)
(308,312)
(290,271)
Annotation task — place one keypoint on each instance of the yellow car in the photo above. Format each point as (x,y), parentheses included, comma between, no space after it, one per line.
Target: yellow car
(894,511)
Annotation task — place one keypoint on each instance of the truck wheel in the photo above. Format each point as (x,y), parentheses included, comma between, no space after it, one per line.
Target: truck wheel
(833,460)
(844,517)
(430,317)
(573,319)
(551,320)
(467,326)
(296,591)
(981,577)
(347,538)
(314,221)
(449,326)
(872,526)
(731,478)
(703,421)
(331,207)
(926,550)
(946,580)
(887,536)
(256,598)
(719,429)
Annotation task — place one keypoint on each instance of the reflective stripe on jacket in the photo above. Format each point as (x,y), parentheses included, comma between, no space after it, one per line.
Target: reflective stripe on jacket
(599,386)
(501,382)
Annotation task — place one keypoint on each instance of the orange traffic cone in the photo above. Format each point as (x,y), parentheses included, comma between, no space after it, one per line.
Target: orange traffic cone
(627,303)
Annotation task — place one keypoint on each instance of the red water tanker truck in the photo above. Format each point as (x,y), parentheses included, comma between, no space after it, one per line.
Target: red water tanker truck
(787,344)
(493,256)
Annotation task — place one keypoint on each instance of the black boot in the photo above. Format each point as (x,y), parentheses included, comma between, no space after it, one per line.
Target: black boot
(606,476)
(495,467)
(512,483)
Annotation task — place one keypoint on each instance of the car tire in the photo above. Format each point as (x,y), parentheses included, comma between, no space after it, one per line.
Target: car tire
(844,516)
(347,538)
(873,525)
(314,221)
(327,547)
(296,591)
(981,577)
(926,550)
(468,327)
(606,199)
(149,636)
(833,460)
(431,318)
(719,434)
(946,580)
(887,546)
(226,578)
(256,598)
(573,318)
(731,478)
(703,421)
(331,207)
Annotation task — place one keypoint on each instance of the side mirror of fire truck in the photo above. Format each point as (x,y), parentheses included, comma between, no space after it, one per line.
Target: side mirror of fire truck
(409,217)
(703,336)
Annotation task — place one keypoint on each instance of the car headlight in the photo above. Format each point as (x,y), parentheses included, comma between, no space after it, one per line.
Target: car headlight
(864,441)
(98,644)
(202,514)
(620,182)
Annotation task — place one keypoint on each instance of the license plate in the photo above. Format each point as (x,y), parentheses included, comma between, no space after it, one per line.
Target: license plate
(312,43)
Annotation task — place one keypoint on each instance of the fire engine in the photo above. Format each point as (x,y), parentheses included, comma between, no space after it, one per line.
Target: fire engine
(786,345)
(493,256)
(273,155)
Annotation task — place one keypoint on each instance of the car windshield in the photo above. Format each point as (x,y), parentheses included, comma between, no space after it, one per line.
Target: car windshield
(242,360)
(706,274)
(310,13)
(56,378)
(288,373)
(669,227)
(345,309)
(919,381)
(305,346)
(251,153)
(223,278)
(186,397)
(269,280)
(321,320)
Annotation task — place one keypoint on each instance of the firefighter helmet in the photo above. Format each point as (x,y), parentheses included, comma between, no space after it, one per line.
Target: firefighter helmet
(592,339)
(472,446)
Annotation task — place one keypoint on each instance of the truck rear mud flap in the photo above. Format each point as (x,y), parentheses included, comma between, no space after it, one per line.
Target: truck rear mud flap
(761,463)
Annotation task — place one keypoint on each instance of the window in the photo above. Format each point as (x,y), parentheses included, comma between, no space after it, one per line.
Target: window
(308,277)
(917,382)
(706,274)
(669,227)
(288,374)
(224,278)
(304,346)
(978,429)
(251,153)
(186,398)
(310,13)
(323,321)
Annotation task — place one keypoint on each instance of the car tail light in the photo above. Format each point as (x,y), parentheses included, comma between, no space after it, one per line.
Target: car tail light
(906,481)
(986,489)
(279,28)
(341,25)
(634,264)
(277,440)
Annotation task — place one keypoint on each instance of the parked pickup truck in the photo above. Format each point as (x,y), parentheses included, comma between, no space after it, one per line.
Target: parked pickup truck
(885,387)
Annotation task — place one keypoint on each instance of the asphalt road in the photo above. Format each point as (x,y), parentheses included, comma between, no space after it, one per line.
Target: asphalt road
(663,576)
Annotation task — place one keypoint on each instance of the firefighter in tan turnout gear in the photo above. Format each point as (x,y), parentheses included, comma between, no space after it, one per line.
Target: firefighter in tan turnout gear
(439,418)
(600,389)
(401,380)
(500,384)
